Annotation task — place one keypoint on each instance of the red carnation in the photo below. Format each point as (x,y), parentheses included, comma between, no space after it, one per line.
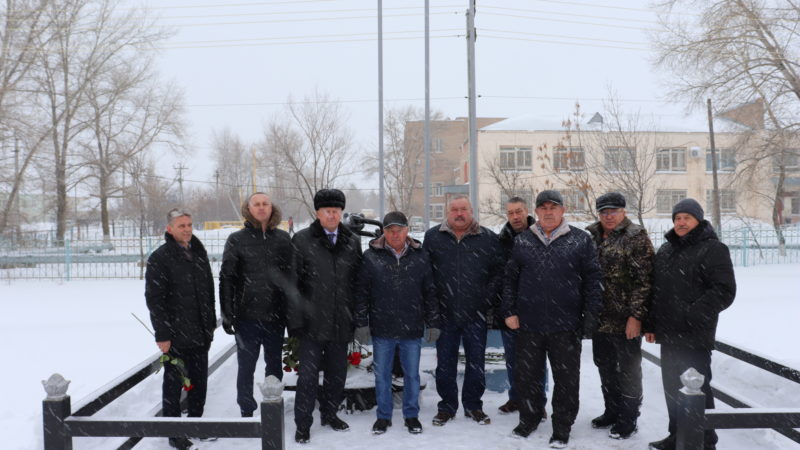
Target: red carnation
(355,358)
(188,388)
(287,369)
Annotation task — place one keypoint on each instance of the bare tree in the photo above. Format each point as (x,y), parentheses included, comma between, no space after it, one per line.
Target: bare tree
(316,146)
(23,26)
(738,52)
(233,167)
(512,183)
(74,56)
(127,113)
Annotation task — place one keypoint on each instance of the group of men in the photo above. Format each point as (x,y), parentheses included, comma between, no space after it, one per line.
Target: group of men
(547,283)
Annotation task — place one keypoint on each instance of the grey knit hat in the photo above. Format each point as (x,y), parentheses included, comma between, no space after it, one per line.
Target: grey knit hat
(690,206)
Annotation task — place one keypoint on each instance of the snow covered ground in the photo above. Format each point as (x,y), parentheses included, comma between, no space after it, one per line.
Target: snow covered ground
(85,331)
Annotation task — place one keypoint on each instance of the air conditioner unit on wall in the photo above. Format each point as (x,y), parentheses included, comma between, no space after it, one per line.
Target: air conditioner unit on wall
(695,152)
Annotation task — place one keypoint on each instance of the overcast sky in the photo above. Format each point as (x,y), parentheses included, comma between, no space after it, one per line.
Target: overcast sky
(239,60)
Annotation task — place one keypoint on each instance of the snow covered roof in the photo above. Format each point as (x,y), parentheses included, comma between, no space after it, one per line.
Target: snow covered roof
(696,123)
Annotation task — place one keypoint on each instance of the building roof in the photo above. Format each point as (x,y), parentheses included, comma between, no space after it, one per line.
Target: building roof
(689,124)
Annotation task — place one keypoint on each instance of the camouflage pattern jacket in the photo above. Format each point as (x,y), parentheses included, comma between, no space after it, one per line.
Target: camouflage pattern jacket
(626,259)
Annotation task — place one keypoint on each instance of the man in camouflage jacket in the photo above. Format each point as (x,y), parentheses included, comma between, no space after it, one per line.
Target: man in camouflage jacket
(626,257)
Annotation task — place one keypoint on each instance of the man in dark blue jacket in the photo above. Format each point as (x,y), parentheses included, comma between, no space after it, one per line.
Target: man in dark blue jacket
(395,301)
(467,269)
(552,291)
(256,270)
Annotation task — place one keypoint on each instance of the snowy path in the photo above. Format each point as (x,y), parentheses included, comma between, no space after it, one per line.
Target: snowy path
(84,330)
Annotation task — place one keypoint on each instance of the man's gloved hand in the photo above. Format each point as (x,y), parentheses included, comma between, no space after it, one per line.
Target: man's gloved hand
(362,335)
(432,334)
(590,324)
(228,325)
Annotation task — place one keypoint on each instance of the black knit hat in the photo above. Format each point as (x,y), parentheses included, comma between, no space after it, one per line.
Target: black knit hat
(329,198)
(610,200)
(549,196)
(395,218)
(690,206)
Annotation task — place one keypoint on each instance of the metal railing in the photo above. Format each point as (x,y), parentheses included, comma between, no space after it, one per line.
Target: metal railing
(61,424)
(693,419)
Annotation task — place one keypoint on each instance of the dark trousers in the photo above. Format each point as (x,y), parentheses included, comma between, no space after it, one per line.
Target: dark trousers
(195,367)
(564,351)
(619,361)
(509,336)
(473,337)
(251,335)
(674,361)
(331,358)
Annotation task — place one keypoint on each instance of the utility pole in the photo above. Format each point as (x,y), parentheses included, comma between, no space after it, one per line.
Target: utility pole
(427,189)
(253,165)
(18,218)
(216,189)
(715,193)
(180,168)
(473,132)
(381,193)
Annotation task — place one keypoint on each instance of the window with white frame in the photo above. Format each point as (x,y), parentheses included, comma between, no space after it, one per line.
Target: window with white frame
(620,159)
(574,200)
(516,158)
(789,159)
(667,198)
(437,189)
(727,200)
(524,194)
(437,146)
(568,159)
(726,160)
(671,159)
(631,200)
(796,205)
(437,211)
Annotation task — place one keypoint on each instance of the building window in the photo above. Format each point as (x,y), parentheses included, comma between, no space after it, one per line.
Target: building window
(620,159)
(437,146)
(726,160)
(437,189)
(574,201)
(727,200)
(671,160)
(667,198)
(516,158)
(524,194)
(568,159)
(437,211)
(796,205)
(789,159)
(631,201)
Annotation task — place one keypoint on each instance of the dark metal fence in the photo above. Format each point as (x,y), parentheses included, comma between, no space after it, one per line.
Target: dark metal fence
(61,424)
(693,419)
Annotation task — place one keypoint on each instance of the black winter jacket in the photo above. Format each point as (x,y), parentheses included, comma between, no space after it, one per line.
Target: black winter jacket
(179,290)
(506,237)
(467,273)
(693,283)
(256,270)
(551,287)
(326,283)
(396,297)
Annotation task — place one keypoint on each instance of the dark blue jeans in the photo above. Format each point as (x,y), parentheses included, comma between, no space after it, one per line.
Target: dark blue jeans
(509,336)
(383,357)
(251,335)
(473,337)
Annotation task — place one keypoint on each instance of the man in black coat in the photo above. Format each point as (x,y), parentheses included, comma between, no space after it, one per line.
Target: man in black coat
(179,290)
(552,291)
(256,270)
(396,301)
(519,220)
(693,282)
(467,269)
(327,261)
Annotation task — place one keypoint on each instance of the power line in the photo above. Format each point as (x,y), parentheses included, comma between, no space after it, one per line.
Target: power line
(577,22)
(326,41)
(309,36)
(260,22)
(586,38)
(548,41)
(306,11)
(572,14)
